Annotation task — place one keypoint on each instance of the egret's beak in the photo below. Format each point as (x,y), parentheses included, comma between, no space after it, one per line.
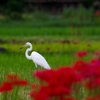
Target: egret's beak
(22,46)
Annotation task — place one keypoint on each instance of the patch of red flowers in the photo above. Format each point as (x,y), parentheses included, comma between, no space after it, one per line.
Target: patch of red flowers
(58,82)
(97,53)
(16,81)
(81,54)
(12,81)
(6,86)
(84,69)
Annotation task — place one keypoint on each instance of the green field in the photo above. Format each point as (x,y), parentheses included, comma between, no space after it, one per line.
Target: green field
(57,45)
(49,32)
(47,44)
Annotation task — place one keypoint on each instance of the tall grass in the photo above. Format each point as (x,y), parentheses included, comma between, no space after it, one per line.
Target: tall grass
(57,55)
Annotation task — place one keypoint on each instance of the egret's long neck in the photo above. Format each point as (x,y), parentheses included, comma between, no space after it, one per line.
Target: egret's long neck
(28,50)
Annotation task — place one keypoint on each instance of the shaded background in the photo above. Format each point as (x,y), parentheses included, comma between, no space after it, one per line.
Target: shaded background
(48,9)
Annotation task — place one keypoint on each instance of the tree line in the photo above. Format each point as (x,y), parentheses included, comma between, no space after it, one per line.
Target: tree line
(14,8)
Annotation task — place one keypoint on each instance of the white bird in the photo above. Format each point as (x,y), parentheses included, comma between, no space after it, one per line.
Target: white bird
(37,58)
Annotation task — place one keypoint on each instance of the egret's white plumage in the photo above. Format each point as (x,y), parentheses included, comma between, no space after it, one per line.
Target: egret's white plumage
(37,58)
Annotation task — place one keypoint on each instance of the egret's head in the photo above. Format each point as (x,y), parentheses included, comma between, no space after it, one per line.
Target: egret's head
(25,45)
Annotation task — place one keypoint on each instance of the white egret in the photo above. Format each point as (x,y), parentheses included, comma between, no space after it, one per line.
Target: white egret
(37,58)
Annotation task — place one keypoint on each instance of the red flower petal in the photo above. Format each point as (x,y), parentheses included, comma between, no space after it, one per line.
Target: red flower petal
(6,86)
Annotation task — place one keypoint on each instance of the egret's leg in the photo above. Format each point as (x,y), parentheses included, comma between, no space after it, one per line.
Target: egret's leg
(36,66)
(36,70)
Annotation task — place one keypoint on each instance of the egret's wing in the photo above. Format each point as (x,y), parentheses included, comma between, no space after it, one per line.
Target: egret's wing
(40,60)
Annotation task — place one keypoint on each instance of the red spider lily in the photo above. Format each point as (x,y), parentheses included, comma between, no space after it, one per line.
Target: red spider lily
(20,83)
(97,97)
(90,84)
(12,81)
(97,53)
(89,72)
(86,72)
(94,61)
(98,81)
(59,83)
(6,87)
(84,69)
(42,93)
(81,54)
(47,92)
(45,75)
(16,81)
(90,98)
(96,67)
(55,76)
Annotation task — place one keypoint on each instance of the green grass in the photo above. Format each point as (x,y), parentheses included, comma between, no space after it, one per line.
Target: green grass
(49,33)
(57,55)
(49,42)
(17,63)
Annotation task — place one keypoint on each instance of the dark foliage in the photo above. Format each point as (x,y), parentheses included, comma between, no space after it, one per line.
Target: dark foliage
(12,8)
